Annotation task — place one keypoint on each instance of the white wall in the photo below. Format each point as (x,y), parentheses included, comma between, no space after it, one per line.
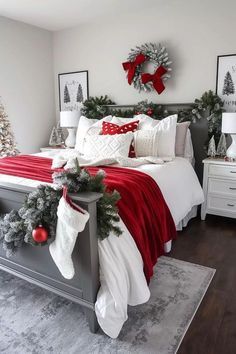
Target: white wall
(194,33)
(26,82)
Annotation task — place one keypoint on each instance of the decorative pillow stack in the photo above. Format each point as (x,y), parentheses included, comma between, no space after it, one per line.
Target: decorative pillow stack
(151,137)
(182,132)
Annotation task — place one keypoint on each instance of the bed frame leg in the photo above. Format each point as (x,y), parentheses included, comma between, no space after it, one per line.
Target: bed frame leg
(89,262)
(91,319)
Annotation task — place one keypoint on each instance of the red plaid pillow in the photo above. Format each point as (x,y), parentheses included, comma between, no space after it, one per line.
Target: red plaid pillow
(112,129)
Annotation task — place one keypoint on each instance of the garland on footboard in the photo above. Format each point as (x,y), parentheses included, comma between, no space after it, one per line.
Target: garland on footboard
(40,209)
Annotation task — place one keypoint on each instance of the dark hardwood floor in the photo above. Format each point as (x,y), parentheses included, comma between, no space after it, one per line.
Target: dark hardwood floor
(211,243)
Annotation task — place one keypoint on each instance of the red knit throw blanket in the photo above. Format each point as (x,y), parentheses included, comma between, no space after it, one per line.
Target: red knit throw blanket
(141,207)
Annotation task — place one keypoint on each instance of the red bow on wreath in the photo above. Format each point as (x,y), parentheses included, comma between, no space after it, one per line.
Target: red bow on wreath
(132,65)
(156,79)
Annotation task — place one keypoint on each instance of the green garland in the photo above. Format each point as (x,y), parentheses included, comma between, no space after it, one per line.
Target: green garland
(40,207)
(213,105)
(79,180)
(95,107)
(208,103)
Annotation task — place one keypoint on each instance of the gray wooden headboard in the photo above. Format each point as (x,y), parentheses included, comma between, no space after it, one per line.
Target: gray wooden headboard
(199,132)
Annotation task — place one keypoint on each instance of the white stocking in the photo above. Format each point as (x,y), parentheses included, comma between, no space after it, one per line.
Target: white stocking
(71,220)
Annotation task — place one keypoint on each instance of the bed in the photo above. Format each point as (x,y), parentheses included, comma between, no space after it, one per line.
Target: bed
(89,288)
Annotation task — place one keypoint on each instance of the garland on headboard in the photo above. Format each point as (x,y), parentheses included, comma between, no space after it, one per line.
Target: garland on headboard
(208,104)
(96,107)
(212,105)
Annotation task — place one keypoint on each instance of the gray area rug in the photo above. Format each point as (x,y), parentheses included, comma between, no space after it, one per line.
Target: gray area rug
(33,320)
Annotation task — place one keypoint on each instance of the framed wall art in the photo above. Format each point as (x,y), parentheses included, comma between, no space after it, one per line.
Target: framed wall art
(226,81)
(73,90)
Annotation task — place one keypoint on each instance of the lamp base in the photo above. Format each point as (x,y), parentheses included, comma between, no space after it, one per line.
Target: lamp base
(70,140)
(231,151)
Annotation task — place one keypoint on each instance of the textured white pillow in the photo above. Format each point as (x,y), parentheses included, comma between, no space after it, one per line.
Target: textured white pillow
(102,146)
(88,126)
(158,141)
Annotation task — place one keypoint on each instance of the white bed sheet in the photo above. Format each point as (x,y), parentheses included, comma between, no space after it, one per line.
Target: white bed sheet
(121,268)
(179,185)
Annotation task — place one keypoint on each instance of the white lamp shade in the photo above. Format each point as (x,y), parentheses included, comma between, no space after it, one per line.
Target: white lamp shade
(69,119)
(229,123)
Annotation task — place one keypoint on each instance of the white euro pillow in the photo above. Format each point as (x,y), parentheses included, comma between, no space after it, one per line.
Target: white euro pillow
(158,141)
(143,119)
(107,146)
(88,126)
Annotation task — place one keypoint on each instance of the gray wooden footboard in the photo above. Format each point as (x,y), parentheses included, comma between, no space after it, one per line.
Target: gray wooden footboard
(35,264)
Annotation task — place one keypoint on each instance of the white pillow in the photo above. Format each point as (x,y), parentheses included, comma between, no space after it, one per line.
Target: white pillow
(142,118)
(103,146)
(93,126)
(158,141)
(146,122)
(188,149)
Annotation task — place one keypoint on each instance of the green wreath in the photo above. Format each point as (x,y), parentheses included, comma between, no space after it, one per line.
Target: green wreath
(155,54)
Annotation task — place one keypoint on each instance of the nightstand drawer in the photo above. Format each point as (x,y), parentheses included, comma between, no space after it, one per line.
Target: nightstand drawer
(223,204)
(222,171)
(224,187)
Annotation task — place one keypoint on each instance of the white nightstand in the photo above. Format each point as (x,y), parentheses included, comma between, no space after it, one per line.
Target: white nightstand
(219,186)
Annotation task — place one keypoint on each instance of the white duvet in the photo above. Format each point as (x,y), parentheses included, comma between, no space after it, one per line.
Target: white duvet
(121,267)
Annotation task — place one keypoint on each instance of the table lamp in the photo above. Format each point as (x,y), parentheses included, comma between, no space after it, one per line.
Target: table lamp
(229,127)
(70,120)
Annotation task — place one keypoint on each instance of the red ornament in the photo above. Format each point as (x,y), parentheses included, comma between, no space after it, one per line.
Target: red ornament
(150,112)
(40,234)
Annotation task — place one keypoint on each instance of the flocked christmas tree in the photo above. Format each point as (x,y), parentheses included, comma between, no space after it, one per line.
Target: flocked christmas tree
(60,135)
(80,96)
(66,95)
(53,137)
(7,142)
(57,136)
(228,87)
(222,147)
(212,147)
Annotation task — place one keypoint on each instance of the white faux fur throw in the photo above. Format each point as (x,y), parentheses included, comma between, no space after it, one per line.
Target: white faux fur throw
(66,159)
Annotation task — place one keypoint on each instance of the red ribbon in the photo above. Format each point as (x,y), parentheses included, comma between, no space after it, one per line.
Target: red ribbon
(132,65)
(156,79)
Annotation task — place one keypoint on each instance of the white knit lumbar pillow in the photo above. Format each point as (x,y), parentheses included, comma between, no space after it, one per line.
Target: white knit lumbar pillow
(108,145)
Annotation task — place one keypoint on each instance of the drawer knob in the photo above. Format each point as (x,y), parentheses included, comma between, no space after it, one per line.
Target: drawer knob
(232,171)
(230,205)
(232,188)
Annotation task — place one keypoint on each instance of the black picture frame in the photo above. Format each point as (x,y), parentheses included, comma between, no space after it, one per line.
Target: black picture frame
(73,80)
(226,81)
